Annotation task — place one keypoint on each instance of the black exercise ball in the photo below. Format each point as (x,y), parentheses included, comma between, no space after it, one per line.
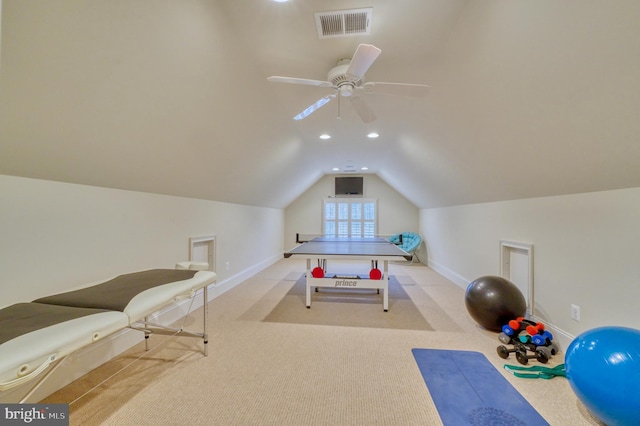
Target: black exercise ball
(493,301)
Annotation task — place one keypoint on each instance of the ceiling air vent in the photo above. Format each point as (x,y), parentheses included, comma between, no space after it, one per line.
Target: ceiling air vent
(344,23)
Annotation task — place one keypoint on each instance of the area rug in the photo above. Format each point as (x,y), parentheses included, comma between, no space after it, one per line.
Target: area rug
(349,307)
(468,390)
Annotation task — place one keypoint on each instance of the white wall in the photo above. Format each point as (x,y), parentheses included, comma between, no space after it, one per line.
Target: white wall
(586,252)
(304,215)
(56,235)
(0,37)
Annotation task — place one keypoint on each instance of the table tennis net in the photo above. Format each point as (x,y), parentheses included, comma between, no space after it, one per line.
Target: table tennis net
(305,238)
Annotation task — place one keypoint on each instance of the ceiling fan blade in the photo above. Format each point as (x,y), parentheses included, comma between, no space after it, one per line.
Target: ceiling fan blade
(362,109)
(400,89)
(310,109)
(362,59)
(294,80)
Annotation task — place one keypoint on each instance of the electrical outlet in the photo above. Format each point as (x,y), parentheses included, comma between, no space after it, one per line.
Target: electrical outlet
(575,312)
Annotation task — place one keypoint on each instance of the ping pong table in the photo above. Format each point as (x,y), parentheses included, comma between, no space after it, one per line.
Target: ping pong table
(374,249)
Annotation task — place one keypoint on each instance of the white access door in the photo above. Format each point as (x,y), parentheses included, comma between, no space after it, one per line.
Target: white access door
(516,265)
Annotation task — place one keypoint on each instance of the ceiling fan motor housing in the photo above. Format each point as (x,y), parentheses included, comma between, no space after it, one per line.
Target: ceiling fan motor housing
(344,82)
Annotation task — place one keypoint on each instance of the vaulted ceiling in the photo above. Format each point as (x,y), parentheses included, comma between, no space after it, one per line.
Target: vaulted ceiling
(527,98)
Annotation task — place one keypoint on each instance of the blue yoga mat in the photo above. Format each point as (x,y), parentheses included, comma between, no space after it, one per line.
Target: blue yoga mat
(468,390)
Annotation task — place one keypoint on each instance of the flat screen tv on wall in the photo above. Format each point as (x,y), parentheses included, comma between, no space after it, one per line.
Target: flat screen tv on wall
(349,185)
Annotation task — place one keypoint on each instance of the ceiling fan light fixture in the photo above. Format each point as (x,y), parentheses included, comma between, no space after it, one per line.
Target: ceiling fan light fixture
(346,90)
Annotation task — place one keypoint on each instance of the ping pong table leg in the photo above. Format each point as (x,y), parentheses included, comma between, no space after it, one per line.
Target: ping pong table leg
(308,285)
(385,295)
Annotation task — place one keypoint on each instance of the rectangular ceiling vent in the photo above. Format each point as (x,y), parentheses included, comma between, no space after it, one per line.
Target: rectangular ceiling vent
(344,23)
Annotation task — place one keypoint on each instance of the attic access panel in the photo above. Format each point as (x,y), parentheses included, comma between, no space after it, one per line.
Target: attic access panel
(344,23)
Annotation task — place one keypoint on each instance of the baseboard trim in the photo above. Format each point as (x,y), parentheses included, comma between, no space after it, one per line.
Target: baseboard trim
(452,276)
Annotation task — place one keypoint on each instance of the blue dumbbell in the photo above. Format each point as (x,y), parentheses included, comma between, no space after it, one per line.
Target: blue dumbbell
(542,339)
(508,330)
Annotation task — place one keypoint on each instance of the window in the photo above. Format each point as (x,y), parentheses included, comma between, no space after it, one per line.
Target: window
(349,217)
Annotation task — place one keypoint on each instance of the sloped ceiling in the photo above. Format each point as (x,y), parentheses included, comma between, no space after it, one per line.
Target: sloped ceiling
(527,98)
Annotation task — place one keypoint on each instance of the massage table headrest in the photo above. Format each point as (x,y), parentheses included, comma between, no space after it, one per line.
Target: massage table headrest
(193,266)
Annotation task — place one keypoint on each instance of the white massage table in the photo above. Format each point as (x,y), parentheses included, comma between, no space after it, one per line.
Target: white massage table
(35,335)
(47,334)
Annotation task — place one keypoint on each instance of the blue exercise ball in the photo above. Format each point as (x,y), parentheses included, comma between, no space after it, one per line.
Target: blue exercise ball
(493,301)
(603,369)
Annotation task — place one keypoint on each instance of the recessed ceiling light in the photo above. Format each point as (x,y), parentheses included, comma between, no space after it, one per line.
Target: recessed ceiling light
(373,135)
(325,136)
(336,169)
(281,1)
(364,168)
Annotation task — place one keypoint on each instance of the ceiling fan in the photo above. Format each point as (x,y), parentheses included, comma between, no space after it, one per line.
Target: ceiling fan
(347,80)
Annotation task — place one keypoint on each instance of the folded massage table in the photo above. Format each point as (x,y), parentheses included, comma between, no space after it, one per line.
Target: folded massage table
(36,335)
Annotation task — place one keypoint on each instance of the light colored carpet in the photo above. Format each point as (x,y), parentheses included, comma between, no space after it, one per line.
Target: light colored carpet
(348,308)
(281,373)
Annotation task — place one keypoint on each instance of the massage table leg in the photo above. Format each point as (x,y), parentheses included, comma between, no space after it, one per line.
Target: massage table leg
(205,335)
(149,328)
(146,335)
